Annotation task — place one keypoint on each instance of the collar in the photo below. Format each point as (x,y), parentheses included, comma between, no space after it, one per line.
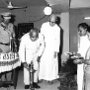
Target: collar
(3,25)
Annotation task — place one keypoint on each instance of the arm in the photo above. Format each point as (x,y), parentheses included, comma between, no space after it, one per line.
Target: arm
(78,61)
(57,40)
(22,54)
(13,32)
(78,43)
(42,47)
(86,61)
(22,51)
(11,29)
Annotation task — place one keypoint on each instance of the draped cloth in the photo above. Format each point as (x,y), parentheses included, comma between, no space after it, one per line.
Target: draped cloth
(49,63)
(84,43)
(9,61)
(87,72)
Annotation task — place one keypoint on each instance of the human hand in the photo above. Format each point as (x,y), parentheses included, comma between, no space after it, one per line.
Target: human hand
(26,65)
(78,54)
(38,59)
(78,61)
(55,54)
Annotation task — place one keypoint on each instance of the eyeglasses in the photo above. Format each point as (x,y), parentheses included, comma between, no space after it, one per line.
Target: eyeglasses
(51,22)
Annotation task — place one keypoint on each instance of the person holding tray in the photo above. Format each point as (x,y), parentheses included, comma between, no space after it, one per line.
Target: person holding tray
(83,44)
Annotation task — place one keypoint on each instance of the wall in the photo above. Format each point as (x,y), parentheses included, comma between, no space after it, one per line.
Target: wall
(65,26)
(31,14)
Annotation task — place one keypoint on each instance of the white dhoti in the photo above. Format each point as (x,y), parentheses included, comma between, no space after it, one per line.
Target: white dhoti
(27,76)
(27,73)
(82,49)
(48,66)
(49,61)
(80,75)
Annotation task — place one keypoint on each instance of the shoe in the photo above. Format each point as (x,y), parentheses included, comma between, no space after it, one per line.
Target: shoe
(26,87)
(35,85)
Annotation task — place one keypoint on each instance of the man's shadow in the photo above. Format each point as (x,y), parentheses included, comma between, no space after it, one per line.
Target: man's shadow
(58,21)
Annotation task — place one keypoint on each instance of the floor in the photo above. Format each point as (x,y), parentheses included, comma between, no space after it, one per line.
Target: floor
(44,85)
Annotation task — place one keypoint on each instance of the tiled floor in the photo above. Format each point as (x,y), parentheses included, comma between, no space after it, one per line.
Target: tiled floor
(44,85)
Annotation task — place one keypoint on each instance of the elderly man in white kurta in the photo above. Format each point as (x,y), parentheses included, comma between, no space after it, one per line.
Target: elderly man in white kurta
(49,59)
(83,46)
(31,48)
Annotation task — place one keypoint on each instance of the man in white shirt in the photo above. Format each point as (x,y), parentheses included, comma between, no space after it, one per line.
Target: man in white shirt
(49,59)
(31,48)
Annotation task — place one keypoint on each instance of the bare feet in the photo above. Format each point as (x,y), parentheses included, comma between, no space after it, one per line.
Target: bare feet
(50,82)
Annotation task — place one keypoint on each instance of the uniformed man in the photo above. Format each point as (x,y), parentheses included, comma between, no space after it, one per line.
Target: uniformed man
(6,32)
(30,50)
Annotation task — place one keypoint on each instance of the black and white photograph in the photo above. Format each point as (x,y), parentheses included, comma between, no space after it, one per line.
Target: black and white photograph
(44,45)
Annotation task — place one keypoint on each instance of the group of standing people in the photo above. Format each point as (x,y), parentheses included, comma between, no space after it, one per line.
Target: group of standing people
(42,49)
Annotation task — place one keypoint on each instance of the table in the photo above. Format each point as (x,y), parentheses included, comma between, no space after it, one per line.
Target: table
(9,62)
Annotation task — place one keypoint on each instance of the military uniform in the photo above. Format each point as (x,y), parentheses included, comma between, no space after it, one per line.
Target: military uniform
(6,34)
